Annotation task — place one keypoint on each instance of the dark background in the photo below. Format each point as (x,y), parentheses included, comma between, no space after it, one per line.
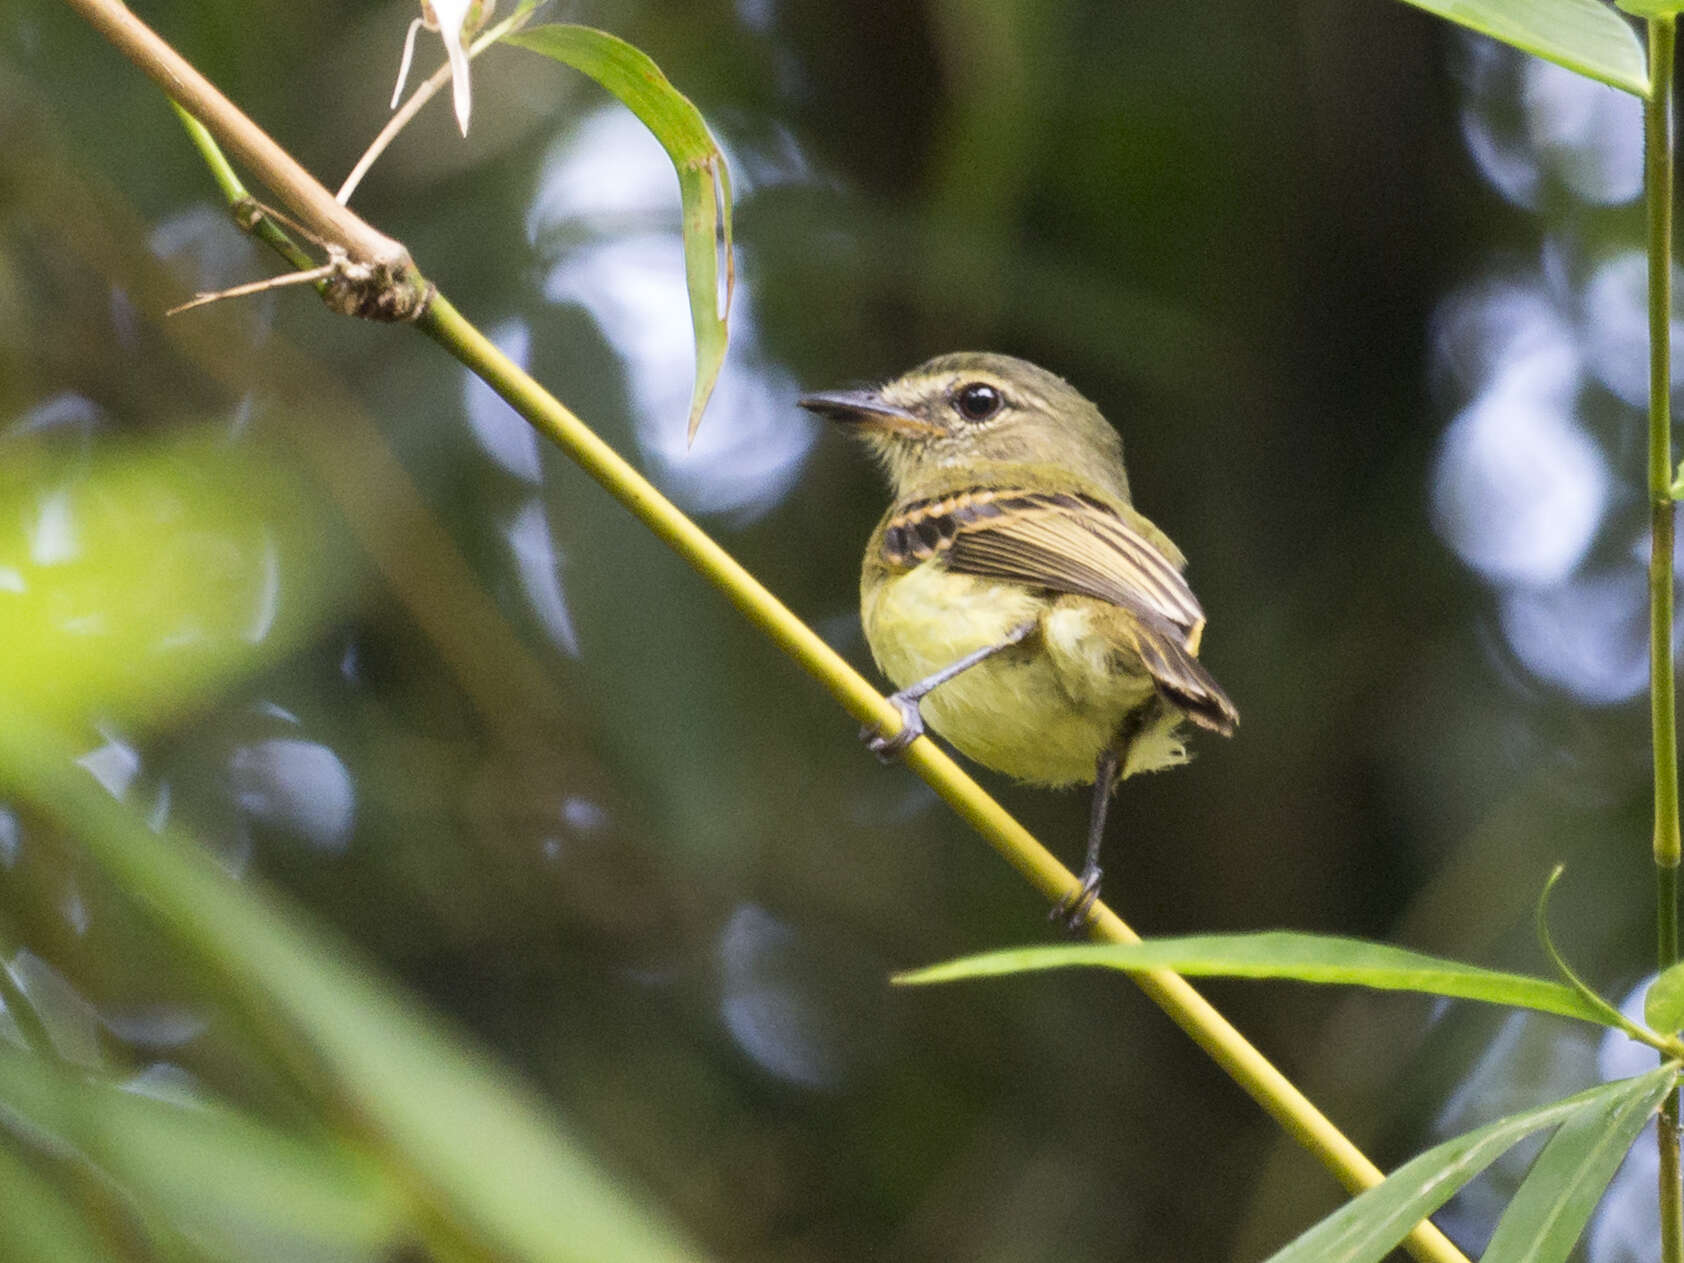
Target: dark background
(1349,283)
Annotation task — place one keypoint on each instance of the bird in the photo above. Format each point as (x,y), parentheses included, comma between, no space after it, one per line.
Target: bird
(1023,608)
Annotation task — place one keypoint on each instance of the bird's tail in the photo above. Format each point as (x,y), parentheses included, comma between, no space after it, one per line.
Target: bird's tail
(1183,679)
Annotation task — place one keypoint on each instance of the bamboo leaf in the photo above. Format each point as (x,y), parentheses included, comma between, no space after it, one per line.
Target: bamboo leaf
(1549,1212)
(490,1160)
(1366,1228)
(704,183)
(1607,1013)
(1582,35)
(1283,954)
(1663,1003)
(42,1220)
(223,1175)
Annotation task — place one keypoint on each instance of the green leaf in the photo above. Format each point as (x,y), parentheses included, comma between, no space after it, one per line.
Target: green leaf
(142,576)
(1582,35)
(1663,1003)
(1282,954)
(224,1177)
(488,1159)
(1608,1015)
(704,183)
(42,1221)
(1367,1227)
(1550,1210)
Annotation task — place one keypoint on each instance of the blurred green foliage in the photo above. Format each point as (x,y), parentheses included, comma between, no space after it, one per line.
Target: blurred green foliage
(147,575)
(535,770)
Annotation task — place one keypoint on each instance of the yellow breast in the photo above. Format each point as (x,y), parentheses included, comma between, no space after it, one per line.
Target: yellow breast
(1040,711)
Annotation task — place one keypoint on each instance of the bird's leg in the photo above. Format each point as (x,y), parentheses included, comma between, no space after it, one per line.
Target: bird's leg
(1108,768)
(888,749)
(1073,910)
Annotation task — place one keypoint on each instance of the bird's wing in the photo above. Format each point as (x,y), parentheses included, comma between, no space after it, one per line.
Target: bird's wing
(1055,540)
(1067,542)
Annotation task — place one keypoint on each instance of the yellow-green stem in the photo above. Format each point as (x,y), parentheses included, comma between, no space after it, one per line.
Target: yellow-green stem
(1185,1006)
(1663,702)
(225,124)
(256,149)
(1663,708)
(239,200)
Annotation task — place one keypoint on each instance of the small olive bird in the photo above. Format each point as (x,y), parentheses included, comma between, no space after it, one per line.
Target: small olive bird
(1013,594)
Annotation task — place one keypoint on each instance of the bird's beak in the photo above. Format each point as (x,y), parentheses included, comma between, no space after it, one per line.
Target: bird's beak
(865,408)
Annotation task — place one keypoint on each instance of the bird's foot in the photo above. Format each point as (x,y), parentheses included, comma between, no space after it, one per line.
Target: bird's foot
(1074,909)
(888,749)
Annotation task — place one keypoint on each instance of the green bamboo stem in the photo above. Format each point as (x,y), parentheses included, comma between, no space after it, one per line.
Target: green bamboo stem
(1184,1005)
(441,321)
(1663,700)
(233,190)
(1659,182)
(181,81)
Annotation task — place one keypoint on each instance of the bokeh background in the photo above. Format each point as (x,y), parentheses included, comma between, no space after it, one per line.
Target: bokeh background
(1363,294)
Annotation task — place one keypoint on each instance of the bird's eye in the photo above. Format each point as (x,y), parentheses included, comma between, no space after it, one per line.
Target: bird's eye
(978,401)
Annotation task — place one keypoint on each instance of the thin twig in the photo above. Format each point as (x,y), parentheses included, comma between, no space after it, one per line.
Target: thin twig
(424,92)
(307,277)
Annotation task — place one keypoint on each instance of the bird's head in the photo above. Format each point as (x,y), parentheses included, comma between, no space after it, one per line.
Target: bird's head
(970,411)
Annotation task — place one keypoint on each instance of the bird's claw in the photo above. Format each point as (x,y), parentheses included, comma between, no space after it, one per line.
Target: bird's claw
(1075,909)
(888,749)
